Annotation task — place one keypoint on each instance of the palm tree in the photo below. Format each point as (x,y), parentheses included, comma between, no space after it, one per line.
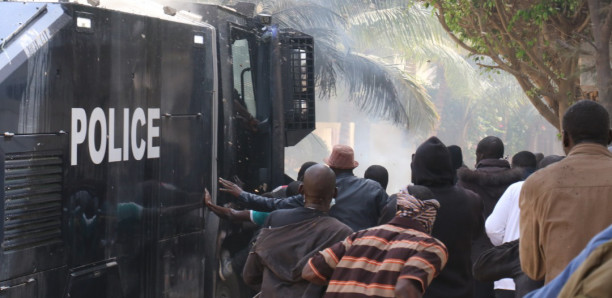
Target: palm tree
(372,48)
(375,85)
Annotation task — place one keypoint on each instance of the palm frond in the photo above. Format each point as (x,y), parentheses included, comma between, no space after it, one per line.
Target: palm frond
(387,92)
(327,58)
(404,26)
(309,15)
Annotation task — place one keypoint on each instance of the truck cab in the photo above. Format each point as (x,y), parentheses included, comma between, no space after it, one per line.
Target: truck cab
(115,116)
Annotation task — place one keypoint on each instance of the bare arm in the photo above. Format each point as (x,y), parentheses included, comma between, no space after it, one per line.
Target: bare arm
(407,288)
(230,187)
(224,212)
(257,202)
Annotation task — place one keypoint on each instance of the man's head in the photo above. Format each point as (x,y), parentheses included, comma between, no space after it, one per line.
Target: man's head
(431,164)
(548,160)
(539,157)
(342,158)
(456,156)
(293,188)
(489,148)
(303,168)
(524,159)
(378,174)
(419,205)
(319,187)
(586,122)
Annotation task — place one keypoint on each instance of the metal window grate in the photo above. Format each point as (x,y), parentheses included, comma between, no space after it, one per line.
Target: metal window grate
(300,102)
(32,200)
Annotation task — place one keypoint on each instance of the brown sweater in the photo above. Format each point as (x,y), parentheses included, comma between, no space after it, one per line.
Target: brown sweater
(562,207)
(276,260)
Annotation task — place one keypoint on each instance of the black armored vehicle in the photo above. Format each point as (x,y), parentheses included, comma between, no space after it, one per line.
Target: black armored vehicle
(114,118)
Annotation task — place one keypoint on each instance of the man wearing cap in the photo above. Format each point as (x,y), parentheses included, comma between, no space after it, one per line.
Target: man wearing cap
(398,259)
(359,202)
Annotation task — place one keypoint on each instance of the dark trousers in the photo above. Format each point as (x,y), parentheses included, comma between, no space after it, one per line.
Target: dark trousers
(499,293)
(483,289)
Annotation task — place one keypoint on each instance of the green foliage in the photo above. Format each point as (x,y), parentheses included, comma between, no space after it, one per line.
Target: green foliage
(537,41)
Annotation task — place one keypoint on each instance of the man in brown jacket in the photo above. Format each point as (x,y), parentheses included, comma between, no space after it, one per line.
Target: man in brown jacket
(291,236)
(564,205)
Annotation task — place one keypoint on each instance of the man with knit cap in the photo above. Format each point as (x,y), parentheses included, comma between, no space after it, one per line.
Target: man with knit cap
(398,259)
(359,203)
(458,220)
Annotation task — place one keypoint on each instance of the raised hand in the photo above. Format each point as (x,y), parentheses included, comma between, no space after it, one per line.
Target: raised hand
(230,187)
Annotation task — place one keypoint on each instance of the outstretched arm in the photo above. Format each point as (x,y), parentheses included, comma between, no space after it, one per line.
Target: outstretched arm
(230,187)
(224,212)
(260,203)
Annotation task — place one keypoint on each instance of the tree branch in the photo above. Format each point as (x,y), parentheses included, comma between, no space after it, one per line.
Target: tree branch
(584,24)
(490,66)
(543,109)
(442,21)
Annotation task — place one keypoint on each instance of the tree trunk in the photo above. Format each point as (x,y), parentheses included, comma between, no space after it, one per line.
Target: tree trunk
(601,21)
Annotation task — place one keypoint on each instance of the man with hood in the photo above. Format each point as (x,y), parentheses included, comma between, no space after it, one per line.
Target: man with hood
(292,236)
(458,221)
(489,180)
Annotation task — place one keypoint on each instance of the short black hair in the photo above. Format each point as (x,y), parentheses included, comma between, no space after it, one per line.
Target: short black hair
(539,156)
(303,169)
(548,160)
(491,147)
(378,174)
(456,156)
(292,188)
(587,121)
(524,159)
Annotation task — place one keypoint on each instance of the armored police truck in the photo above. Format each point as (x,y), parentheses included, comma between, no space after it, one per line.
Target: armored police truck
(114,118)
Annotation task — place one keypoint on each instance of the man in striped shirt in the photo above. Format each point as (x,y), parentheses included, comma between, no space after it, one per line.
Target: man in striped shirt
(398,259)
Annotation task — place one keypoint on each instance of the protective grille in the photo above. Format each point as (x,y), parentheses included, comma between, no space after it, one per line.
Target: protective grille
(300,109)
(32,200)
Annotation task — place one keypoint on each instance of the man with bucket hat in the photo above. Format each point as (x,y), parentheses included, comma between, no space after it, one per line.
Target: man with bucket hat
(359,202)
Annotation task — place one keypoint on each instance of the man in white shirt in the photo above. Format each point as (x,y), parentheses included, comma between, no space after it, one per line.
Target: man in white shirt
(503,224)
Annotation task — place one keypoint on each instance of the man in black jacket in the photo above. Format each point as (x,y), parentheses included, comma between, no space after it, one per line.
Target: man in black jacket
(458,220)
(489,180)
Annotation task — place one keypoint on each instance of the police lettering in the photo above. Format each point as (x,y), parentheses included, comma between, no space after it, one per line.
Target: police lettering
(82,130)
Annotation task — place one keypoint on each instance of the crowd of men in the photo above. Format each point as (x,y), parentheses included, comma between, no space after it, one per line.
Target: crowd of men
(532,227)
